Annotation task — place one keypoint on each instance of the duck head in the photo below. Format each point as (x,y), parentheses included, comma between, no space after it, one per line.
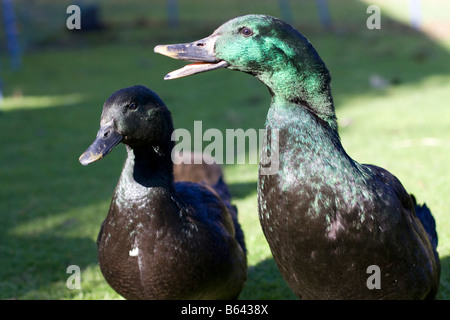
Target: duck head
(256,44)
(135,116)
(267,48)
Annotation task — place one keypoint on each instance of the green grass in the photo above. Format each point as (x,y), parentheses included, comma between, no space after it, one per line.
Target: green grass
(51,207)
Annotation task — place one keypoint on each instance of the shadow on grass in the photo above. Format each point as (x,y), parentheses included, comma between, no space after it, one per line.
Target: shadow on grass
(265,282)
(51,206)
(38,269)
(444,288)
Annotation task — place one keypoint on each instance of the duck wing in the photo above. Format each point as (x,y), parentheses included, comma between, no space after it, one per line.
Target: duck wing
(421,215)
(422,221)
(204,170)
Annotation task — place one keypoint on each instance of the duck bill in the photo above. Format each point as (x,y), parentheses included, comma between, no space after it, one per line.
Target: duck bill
(107,138)
(200,52)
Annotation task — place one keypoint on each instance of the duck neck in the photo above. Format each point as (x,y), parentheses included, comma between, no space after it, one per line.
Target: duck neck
(149,166)
(306,142)
(305,84)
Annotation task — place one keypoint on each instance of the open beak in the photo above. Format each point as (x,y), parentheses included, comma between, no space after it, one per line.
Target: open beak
(200,52)
(107,138)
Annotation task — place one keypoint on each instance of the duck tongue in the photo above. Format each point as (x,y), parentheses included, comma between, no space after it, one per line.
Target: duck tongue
(200,52)
(193,68)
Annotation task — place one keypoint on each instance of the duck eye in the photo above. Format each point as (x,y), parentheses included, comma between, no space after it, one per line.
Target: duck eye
(246,32)
(132,106)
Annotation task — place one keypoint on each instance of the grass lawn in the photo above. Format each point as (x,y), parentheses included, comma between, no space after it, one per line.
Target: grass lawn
(51,207)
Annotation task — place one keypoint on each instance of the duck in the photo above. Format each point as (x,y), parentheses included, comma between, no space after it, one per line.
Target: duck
(337,229)
(162,239)
(202,168)
(196,167)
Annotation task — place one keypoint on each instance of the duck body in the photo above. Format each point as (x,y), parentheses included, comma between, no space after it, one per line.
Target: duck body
(166,239)
(338,218)
(327,218)
(161,239)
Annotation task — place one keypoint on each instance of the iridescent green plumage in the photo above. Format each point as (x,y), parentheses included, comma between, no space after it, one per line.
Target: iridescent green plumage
(327,218)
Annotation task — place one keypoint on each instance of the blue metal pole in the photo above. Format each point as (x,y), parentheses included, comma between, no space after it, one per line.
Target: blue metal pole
(1,90)
(12,38)
(172,13)
(11,34)
(286,11)
(324,13)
